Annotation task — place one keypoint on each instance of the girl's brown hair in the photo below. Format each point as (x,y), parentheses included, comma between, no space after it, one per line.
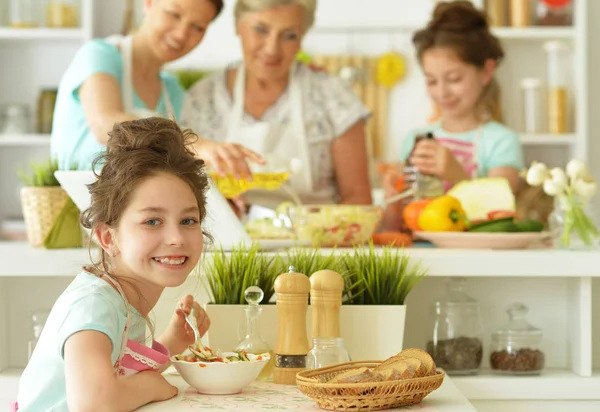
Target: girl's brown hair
(461,27)
(218,4)
(137,150)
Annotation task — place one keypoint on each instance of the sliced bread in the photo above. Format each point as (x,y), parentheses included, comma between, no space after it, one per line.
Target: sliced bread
(354,376)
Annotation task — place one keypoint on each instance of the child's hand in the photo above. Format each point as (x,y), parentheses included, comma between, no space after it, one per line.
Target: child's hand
(433,158)
(179,335)
(158,385)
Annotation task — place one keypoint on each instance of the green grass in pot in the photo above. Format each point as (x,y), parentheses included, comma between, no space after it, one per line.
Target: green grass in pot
(40,174)
(379,276)
(309,261)
(229,274)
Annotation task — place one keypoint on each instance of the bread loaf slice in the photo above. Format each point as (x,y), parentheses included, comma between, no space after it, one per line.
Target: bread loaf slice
(422,356)
(354,376)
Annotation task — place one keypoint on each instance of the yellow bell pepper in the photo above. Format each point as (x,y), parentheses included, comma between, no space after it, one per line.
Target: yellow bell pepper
(443,214)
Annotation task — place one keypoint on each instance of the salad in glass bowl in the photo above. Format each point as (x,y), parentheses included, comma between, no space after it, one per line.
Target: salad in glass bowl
(335,225)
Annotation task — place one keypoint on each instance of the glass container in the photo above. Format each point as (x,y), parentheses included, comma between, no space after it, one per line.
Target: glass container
(557,61)
(496,11)
(39,320)
(456,343)
(22,14)
(254,342)
(327,352)
(45,110)
(15,119)
(520,13)
(516,347)
(62,13)
(532,105)
(555,12)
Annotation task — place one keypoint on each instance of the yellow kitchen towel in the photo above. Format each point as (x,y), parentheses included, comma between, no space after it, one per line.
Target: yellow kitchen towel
(65,232)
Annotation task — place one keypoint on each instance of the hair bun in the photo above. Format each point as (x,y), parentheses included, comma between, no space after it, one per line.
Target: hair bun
(157,134)
(458,16)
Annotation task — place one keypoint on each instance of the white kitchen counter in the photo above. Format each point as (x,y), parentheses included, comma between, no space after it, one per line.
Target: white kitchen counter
(269,396)
(21,260)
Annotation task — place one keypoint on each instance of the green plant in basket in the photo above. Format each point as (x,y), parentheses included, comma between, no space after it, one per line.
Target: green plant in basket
(379,276)
(40,174)
(229,274)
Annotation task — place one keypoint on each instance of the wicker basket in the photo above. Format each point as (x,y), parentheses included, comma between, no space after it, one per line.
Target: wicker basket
(41,206)
(372,396)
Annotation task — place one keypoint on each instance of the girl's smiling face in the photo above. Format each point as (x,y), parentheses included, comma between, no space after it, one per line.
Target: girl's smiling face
(455,87)
(158,239)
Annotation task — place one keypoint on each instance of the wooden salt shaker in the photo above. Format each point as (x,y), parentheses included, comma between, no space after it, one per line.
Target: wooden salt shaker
(291,346)
(326,291)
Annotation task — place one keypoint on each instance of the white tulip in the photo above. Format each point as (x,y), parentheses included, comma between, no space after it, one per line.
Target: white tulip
(585,189)
(537,174)
(576,169)
(559,177)
(551,188)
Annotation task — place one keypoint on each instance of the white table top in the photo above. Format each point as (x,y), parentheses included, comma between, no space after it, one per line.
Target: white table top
(270,396)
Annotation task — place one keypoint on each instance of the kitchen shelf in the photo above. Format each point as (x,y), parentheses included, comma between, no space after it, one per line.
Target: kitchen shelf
(548,139)
(25,140)
(534,33)
(40,262)
(553,384)
(41,33)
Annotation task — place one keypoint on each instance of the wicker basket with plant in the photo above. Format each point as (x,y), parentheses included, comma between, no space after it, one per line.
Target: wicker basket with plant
(42,199)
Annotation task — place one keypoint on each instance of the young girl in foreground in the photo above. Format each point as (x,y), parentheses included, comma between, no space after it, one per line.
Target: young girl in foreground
(459,55)
(146,212)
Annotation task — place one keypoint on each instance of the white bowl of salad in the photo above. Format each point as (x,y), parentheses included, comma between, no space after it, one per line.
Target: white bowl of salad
(214,373)
(335,225)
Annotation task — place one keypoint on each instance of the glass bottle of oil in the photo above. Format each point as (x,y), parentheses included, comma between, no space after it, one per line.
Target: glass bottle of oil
(253,342)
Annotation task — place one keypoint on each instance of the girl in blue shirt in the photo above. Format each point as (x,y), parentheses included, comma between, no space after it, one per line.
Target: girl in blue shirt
(89,354)
(121,78)
(459,56)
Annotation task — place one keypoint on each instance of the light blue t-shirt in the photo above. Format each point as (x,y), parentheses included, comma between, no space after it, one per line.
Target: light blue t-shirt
(88,303)
(72,141)
(498,146)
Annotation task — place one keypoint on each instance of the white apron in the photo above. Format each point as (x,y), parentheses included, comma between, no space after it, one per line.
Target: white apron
(273,140)
(125,45)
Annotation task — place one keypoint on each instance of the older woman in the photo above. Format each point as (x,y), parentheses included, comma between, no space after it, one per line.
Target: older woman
(121,78)
(270,104)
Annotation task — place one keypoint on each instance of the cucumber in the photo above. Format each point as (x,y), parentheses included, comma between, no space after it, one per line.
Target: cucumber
(530,226)
(505,224)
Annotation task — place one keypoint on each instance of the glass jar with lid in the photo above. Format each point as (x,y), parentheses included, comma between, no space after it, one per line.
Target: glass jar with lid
(555,12)
(456,344)
(62,13)
(327,352)
(516,346)
(14,119)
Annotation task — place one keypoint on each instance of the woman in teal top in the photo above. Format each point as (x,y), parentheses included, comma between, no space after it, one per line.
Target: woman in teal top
(120,78)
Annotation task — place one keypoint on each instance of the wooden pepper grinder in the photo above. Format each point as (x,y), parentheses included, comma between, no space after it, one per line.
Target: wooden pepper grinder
(326,288)
(291,346)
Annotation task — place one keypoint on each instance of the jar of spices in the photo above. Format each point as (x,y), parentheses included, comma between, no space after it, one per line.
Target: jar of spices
(532,105)
(496,11)
(456,344)
(15,119)
(520,13)
(62,13)
(45,110)
(555,12)
(516,346)
(23,14)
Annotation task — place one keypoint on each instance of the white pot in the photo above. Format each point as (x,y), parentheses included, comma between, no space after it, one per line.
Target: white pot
(370,332)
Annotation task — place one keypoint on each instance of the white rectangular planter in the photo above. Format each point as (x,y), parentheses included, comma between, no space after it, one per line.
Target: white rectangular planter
(370,332)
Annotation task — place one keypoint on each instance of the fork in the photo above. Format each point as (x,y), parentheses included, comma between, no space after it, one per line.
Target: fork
(193,322)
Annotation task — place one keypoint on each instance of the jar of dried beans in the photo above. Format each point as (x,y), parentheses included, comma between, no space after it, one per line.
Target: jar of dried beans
(456,340)
(515,348)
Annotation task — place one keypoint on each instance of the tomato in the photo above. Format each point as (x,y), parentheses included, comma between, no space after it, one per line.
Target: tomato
(411,213)
(500,214)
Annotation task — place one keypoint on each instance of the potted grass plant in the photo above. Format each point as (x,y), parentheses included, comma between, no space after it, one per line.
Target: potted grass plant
(226,277)
(377,282)
(42,199)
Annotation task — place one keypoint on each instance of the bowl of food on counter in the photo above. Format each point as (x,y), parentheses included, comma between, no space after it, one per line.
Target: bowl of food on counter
(334,225)
(214,373)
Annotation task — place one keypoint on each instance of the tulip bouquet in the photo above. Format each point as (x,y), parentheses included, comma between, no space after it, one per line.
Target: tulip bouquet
(572,189)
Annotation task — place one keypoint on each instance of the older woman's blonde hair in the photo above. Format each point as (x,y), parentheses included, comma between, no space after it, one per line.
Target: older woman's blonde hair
(244,6)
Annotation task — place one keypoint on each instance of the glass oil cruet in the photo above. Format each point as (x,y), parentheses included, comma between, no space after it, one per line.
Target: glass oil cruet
(254,342)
